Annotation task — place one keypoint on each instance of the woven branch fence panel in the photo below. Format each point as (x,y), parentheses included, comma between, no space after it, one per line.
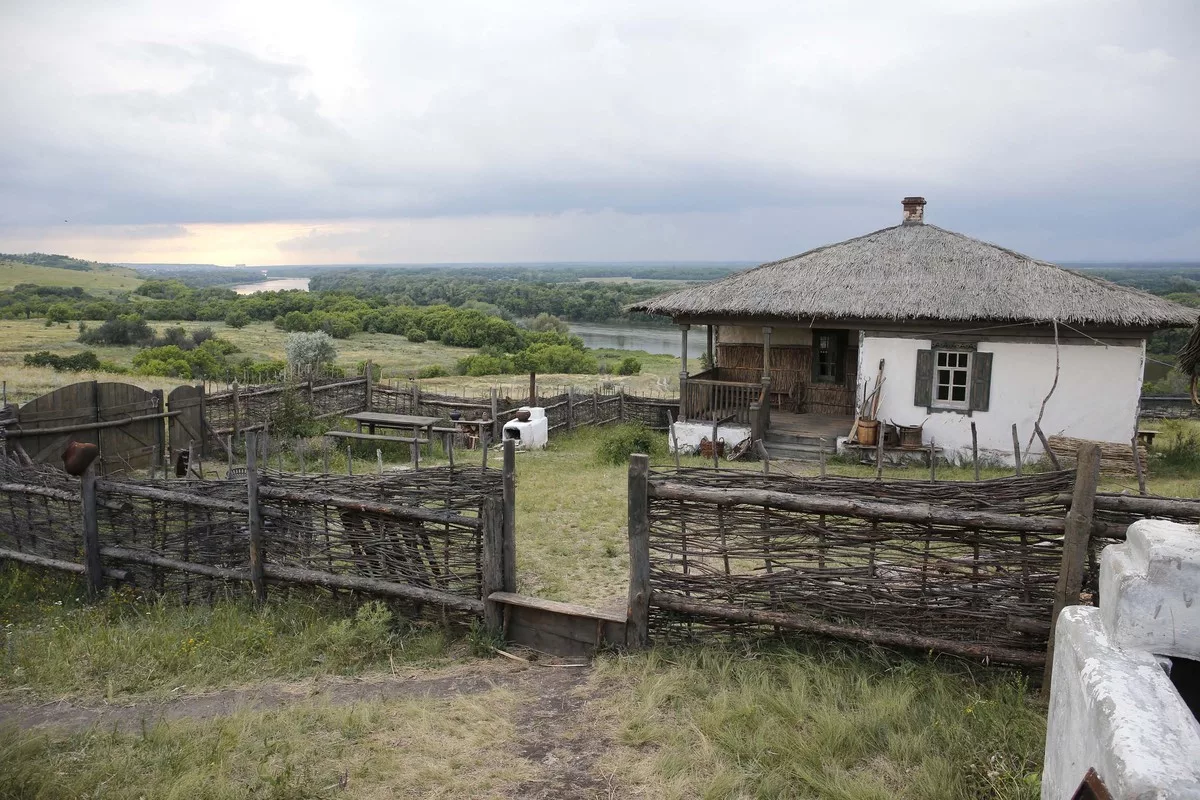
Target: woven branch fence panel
(988,589)
(421,529)
(191,539)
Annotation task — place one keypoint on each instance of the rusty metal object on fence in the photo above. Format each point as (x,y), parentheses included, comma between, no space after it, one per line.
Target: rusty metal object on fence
(78,457)
(706,448)
(741,450)
(1092,788)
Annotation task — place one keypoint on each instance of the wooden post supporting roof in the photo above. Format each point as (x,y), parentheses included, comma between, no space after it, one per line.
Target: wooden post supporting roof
(766,370)
(683,371)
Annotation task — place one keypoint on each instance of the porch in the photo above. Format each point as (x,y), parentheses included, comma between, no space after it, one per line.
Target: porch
(753,371)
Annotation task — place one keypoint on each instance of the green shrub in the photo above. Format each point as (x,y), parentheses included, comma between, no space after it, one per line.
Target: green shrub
(237,319)
(416,335)
(619,442)
(433,371)
(293,416)
(629,366)
(80,362)
(123,330)
(1182,450)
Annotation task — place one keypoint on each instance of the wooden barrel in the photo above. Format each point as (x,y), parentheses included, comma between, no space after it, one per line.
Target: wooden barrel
(868,431)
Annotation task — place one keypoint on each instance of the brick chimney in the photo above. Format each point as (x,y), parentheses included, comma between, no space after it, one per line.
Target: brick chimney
(914,210)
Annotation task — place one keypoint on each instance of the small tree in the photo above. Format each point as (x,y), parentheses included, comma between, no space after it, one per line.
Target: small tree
(308,352)
(237,319)
(58,312)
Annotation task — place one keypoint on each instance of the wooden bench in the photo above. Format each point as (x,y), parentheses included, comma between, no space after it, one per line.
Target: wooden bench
(376,437)
(1146,437)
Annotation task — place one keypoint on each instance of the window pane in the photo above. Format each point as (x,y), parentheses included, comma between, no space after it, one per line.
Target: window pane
(960,394)
(943,392)
(960,377)
(941,358)
(943,376)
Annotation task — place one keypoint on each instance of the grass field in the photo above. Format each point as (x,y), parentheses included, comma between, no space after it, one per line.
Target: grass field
(98,280)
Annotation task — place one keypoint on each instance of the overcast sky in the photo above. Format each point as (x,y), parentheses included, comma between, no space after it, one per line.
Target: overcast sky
(300,132)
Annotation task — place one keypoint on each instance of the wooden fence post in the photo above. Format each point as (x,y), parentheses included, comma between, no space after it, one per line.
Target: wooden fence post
(416,397)
(203,422)
(493,562)
(157,461)
(510,516)
(237,408)
(91,533)
(621,405)
(1016,450)
(637,625)
(975,450)
(369,389)
(570,408)
(495,419)
(1075,545)
(254,520)
(1046,446)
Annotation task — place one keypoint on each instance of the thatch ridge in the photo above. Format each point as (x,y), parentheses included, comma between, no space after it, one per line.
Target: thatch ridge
(922,273)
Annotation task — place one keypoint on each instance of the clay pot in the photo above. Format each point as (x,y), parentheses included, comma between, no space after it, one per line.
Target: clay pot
(79,456)
(456,415)
(523,416)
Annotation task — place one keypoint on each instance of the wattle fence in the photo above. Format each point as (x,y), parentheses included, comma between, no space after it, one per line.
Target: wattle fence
(434,536)
(976,569)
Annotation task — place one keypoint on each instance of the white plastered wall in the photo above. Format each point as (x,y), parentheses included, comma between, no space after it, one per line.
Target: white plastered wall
(1096,396)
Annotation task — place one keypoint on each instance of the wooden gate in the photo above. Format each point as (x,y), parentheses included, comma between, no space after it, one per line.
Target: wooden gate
(187,419)
(124,420)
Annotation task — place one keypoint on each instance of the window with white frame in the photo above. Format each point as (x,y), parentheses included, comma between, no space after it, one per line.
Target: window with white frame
(952,379)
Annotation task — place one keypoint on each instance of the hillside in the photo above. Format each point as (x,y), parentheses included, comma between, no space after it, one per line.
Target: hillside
(50,270)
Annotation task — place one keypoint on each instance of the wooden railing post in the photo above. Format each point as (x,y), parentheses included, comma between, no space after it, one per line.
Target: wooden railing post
(1075,545)
(510,516)
(493,562)
(637,625)
(254,520)
(93,570)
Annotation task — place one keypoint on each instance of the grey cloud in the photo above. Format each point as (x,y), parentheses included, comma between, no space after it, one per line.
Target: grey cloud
(1063,123)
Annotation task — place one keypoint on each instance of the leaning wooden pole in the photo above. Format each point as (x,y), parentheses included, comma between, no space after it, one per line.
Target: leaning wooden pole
(510,515)
(1075,545)
(1016,450)
(254,521)
(637,625)
(975,450)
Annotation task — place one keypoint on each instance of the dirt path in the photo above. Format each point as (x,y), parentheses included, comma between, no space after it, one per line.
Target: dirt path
(555,728)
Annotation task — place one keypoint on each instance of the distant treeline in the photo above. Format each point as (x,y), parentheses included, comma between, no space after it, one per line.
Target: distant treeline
(589,301)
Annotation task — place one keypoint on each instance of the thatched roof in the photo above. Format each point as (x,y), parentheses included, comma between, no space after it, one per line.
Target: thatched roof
(920,272)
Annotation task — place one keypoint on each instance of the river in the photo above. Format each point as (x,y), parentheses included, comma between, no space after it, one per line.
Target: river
(651,338)
(273,285)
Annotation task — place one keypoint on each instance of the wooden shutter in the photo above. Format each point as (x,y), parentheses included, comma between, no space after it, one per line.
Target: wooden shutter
(981,381)
(924,392)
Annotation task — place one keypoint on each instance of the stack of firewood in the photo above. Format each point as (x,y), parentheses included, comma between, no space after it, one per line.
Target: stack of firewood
(1115,459)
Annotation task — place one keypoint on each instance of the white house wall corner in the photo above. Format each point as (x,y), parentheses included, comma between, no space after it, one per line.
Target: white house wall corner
(1096,396)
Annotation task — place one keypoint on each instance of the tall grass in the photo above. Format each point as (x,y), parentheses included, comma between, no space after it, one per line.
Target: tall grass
(54,644)
(833,722)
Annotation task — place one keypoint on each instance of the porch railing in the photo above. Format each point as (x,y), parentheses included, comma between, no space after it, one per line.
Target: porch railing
(708,399)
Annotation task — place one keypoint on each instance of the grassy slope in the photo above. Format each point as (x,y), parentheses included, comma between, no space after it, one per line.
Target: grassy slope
(100,279)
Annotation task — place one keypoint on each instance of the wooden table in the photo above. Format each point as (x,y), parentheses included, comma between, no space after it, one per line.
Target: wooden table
(1146,438)
(377,419)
